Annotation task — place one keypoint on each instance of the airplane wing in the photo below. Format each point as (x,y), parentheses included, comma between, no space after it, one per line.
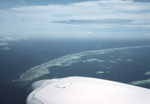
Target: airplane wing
(85,90)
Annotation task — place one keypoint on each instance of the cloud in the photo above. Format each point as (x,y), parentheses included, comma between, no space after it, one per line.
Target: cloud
(7,38)
(4,44)
(85,12)
(5,48)
(4,41)
(89,32)
(98,21)
(59,20)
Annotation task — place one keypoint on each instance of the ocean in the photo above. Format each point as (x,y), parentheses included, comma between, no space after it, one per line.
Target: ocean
(26,54)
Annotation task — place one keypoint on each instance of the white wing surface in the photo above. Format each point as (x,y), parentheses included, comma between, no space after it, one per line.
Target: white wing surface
(85,90)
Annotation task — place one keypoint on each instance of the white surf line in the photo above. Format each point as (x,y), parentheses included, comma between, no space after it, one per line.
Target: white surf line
(147,73)
(141,82)
(42,69)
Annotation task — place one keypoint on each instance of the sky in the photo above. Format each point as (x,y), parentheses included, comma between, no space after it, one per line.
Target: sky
(75,18)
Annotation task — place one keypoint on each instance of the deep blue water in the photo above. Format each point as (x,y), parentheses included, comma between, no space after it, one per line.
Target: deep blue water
(26,54)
